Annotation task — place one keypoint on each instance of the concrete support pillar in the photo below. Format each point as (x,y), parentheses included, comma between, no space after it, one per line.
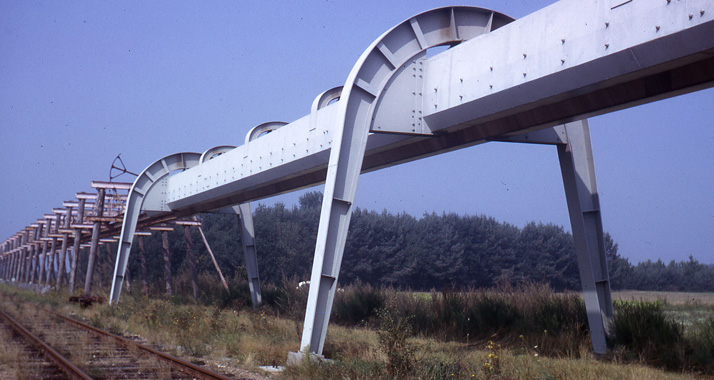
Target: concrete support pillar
(34,250)
(14,266)
(6,267)
(167,264)
(24,256)
(18,265)
(10,266)
(94,248)
(578,170)
(142,261)
(65,242)
(41,263)
(191,261)
(50,256)
(76,247)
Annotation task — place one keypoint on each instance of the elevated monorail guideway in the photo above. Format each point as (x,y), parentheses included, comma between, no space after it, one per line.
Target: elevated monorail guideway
(532,80)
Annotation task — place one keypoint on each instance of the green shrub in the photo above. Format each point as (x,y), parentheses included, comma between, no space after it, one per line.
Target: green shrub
(392,337)
(357,304)
(292,299)
(700,339)
(645,332)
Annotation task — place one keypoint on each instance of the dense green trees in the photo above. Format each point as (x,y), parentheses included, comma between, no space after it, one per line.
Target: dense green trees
(430,252)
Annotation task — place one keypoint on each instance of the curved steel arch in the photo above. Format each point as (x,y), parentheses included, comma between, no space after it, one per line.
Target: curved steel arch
(261,129)
(215,151)
(141,192)
(366,83)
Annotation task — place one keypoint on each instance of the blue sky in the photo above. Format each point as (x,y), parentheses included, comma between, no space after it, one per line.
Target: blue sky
(81,82)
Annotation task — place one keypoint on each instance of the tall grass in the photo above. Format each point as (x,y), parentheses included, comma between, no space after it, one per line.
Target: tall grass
(530,313)
(527,331)
(701,339)
(532,319)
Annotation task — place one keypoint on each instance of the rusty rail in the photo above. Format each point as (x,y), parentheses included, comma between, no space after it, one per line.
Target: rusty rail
(65,365)
(176,363)
(74,372)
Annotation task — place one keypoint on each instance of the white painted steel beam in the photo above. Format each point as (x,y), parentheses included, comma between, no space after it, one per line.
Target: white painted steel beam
(477,91)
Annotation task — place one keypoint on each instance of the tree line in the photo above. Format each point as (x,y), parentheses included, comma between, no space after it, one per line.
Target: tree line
(435,251)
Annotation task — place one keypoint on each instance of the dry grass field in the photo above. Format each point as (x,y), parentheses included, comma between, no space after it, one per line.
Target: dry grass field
(239,339)
(672,298)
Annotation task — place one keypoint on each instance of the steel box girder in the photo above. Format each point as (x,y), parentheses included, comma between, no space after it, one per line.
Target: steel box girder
(579,60)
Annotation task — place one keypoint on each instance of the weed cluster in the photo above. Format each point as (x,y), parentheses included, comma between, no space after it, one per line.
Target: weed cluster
(645,333)
(392,336)
(530,312)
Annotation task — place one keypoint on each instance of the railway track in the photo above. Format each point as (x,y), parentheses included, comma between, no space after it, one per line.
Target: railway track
(58,347)
(19,358)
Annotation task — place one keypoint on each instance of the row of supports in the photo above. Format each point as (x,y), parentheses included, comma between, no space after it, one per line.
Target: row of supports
(48,252)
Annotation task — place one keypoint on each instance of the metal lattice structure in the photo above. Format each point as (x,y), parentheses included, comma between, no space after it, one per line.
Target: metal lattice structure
(533,80)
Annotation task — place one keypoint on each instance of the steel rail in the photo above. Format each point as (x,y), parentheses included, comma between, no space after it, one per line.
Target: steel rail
(65,365)
(176,363)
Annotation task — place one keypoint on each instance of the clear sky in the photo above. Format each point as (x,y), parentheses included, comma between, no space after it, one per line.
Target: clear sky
(81,82)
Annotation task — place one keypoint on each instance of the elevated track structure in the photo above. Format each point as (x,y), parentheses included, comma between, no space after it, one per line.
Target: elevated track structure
(47,251)
(532,80)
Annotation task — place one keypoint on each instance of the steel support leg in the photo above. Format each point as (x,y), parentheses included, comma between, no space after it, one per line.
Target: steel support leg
(134,205)
(576,164)
(343,171)
(251,260)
